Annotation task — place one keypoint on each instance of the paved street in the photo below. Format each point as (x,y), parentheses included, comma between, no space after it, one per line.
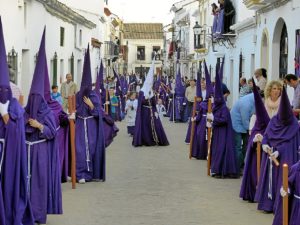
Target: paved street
(156,186)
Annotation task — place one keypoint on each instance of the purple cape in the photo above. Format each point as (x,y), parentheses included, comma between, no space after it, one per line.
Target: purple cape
(148,129)
(15,205)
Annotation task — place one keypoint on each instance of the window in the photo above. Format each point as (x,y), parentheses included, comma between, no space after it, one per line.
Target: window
(156,51)
(141,53)
(62,36)
(80,37)
(283,60)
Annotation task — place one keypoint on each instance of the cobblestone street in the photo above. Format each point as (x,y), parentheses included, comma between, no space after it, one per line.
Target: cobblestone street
(156,186)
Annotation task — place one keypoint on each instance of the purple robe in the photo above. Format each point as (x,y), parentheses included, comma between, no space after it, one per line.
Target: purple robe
(43,179)
(90,152)
(62,137)
(285,140)
(294,198)
(223,158)
(199,150)
(249,182)
(215,24)
(148,128)
(110,128)
(15,206)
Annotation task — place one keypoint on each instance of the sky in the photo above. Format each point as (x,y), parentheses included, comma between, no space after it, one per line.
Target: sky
(151,11)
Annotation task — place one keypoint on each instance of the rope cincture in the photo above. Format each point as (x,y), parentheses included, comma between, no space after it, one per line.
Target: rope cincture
(30,143)
(87,150)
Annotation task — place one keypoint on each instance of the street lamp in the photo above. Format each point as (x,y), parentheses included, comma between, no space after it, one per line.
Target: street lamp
(199,36)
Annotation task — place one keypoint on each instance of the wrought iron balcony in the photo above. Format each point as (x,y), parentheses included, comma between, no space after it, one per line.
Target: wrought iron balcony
(111,50)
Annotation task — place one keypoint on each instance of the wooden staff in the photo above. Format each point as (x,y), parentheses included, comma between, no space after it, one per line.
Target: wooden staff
(193,124)
(72,109)
(285,199)
(209,131)
(258,154)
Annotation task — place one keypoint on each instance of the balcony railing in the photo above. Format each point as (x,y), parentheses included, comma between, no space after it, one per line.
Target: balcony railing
(111,49)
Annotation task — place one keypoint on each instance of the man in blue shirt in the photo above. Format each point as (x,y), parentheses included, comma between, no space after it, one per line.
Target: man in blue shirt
(241,113)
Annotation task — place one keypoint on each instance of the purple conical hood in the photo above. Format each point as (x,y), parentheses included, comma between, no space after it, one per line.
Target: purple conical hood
(198,86)
(179,88)
(37,84)
(5,93)
(118,83)
(262,117)
(285,113)
(219,98)
(86,82)
(209,87)
(47,93)
(99,86)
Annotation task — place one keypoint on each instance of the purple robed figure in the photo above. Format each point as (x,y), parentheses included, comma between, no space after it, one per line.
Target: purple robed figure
(119,95)
(15,206)
(223,158)
(203,108)
(40,127)
(220,24)
(283,136)
(294,198)
(148,127)
(199,142)
(110,128)
(249,182)
(178,110)
(90,146)
(62,137)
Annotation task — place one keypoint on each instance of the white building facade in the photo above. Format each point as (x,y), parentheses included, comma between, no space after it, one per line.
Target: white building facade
(68,33)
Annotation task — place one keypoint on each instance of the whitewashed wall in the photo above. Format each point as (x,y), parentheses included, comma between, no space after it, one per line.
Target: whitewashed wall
(23,33)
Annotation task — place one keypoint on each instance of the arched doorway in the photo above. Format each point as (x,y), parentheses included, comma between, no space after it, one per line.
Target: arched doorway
(279,50)
(283,58)
(264,63)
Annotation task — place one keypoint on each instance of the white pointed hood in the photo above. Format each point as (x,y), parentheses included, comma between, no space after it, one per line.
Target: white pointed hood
(148,84)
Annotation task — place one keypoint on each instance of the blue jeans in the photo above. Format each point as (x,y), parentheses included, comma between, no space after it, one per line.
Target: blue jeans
(240,147)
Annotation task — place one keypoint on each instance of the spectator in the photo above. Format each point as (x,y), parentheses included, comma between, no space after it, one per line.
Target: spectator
(244,89)
(272,97)
(190,94)
(241,113)
(292,81)
(250,84)
(161,110)
(130,109)
(261,76)
(114,102)
(16,91)
(55,95)
(68,89)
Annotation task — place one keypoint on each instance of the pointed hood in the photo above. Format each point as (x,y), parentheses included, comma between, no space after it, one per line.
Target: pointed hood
(5,93)
(148,84)
(99,86)
(283,127)
(37,84)
(198,85)
(262,117)
(209,87)
(221,69)
(285,113)
(179,88)
(219,98)
(86,82)
(37,107)
(118,88)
